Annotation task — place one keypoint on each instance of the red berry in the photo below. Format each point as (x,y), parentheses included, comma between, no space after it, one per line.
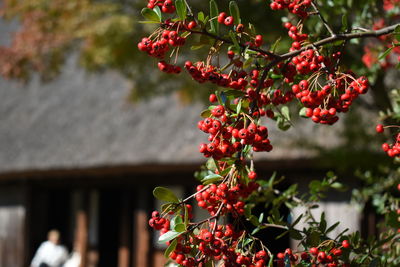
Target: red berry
(314,251)
(379,128)
(239,28)
(231,54)
(221,17)
(252,175)
(192,25)
(345,243)
(213,98)
(229,21)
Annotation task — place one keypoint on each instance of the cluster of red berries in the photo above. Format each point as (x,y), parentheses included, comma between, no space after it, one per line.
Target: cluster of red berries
(214,196)
(308,61)
(159,223)
(201,73)
(275,97)
(294,33)
(298,7)
(217,244)
(160,47)
(394,149)
(221,142)
(321,105)
(315,256)
(156,49)
(166,6)
(168,68)
(391,150)
(223,18)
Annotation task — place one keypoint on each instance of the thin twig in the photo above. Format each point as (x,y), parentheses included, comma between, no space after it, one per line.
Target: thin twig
(323,19)
(338,37)
(259,50)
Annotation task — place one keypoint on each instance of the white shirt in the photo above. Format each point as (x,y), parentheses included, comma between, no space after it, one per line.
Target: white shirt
(52,254)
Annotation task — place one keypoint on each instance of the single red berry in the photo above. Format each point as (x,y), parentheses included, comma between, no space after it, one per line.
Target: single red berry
(191,25)
(213,98)
(229,21)
(252,175)
(221,17)
(314,251)
(239,28)
(379,128)
(345,243)
(231,54)
(337,252)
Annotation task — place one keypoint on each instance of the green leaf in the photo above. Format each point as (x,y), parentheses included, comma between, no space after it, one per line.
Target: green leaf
(234,40)
(322,224)
(164,194)
(295,234)
(168,236)
(234,93)
(167,207)
(344,22)
(254,220)
(181,9)
(302,112)
(285,112)
(201,17)
(338,186)
(315,185)
(205,113)
(180,227)
(392,219)
(150,15)
(176,220)
(330,229)
(282,124)
(214,14)
(297,221)
(211,178)
(234,10)
(170,248)
(276,76)
(397,29)
(255,231)
(313,239)
(196,47)
(239,107)
(281,235)
(158,12)
(384,54)
(261,218)
(148,22)
(252,29)
(211,165)
(246,242)
(275,45)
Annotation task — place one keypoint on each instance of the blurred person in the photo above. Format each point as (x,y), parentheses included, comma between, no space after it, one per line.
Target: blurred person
(50,253)
(74,260)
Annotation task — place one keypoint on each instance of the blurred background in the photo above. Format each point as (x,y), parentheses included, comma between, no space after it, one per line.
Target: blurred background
(89,126)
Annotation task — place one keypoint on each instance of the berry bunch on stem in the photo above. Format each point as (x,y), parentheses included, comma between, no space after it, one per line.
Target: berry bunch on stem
(255,84)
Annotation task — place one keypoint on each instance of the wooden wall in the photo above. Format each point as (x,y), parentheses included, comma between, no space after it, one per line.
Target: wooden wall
(12,227)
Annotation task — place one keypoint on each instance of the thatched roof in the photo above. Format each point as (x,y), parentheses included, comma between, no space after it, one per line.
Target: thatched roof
(84,120)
